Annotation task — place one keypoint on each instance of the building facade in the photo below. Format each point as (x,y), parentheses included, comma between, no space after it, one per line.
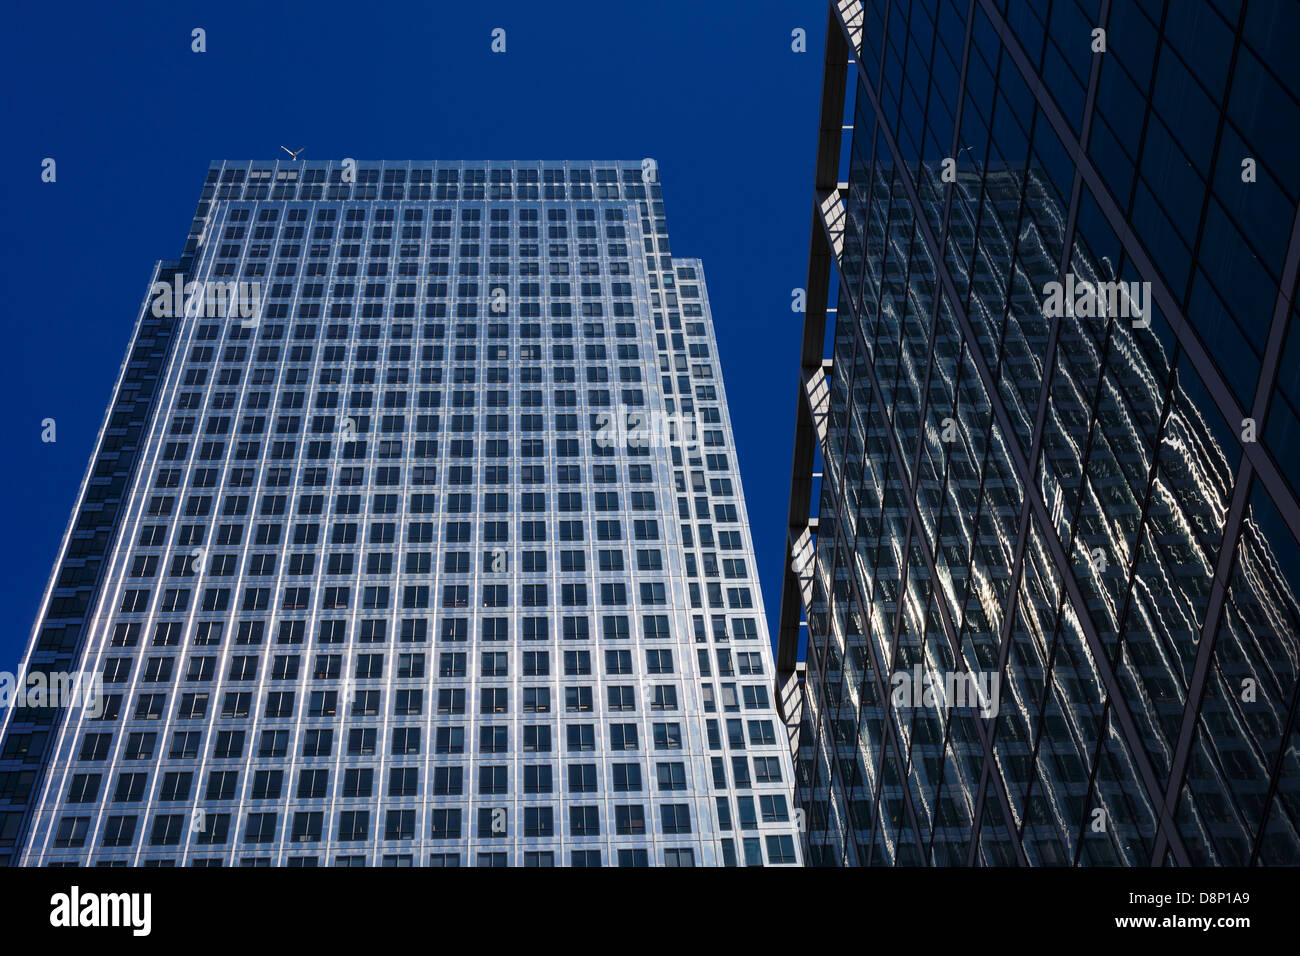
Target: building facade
(1051,587)
(413,536)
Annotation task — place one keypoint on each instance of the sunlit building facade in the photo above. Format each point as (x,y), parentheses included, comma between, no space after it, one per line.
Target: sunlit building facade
(413,537)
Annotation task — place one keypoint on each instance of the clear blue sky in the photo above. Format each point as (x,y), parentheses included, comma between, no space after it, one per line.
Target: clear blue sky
(710,88)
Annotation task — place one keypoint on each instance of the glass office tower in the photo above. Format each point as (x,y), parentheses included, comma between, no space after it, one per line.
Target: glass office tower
(413,536)
(1051,588)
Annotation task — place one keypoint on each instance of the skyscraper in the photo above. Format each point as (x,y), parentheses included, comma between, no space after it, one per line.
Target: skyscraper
(1052,586)
(413,536)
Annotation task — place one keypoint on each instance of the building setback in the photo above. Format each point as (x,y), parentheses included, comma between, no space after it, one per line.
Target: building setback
(1052,450)
(413,536)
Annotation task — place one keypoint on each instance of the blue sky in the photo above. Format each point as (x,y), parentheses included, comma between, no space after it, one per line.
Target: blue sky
(711,89)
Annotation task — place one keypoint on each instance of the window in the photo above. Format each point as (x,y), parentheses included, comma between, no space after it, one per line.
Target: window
(671,776)
(444,825)
(627,777)
(780,850)
(493,824)
(676,818)
(629,819)
(353,826)
(584,821)
(539,822)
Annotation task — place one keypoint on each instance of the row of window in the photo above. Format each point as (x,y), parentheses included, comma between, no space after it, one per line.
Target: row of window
(353,826)
(370,666)
(465,332)
(355,475)
(418,597)
(194,705)
(409,214)
(228,744)
(613,627)
(359,782)
(531,858)
(344,563)
(352,448)
(410,702)
(780,851)
(287,188)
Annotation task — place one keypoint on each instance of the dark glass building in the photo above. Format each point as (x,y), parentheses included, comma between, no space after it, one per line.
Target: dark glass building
(1051,585)
(414,536)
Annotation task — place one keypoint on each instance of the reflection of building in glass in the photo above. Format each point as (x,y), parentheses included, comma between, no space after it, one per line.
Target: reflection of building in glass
(1075,505)
(440,558)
